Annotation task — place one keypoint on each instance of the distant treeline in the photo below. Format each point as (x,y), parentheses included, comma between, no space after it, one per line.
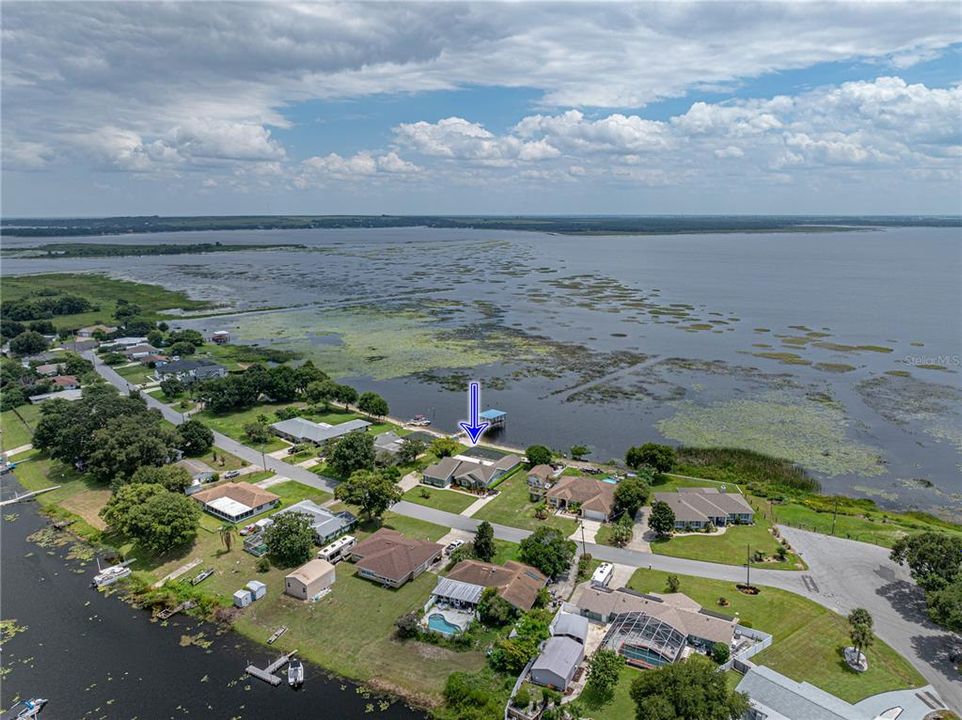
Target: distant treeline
(587,225)
(70,250)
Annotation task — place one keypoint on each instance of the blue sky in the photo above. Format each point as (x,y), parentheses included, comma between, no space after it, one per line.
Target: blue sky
(143,108)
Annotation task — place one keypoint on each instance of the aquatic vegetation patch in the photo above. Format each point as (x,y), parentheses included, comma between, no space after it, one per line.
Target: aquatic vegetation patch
(9,630)
(932,408)
(812,434)
(839,347)
(786,358)
(834,367)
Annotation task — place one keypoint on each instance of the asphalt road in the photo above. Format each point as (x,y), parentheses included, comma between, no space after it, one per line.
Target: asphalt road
(842,575)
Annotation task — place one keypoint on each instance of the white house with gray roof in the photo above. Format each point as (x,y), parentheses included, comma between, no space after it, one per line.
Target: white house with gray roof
(301,430)
(326,525)
(697,507)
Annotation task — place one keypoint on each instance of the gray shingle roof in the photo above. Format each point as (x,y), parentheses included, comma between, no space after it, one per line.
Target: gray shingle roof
(305,429)
(794,700)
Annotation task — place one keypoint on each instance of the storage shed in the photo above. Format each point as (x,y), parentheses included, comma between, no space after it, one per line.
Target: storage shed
(257,589)
(242,598)
(557,663)
(309,580)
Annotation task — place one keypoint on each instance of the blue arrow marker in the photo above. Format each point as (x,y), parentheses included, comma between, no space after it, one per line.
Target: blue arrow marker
(475,427)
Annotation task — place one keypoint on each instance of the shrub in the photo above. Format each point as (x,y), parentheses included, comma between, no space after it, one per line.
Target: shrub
(674,583)
(522,698)
(263,565)
(720,652)
(407,626)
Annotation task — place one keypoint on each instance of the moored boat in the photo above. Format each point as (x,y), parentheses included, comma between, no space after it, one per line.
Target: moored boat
(295,673)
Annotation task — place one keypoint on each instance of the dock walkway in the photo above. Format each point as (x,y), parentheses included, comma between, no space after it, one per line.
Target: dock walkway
(267,674)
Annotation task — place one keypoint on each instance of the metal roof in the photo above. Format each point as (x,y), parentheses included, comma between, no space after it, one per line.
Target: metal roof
(457,590)
(305,429)
(324,522)
(559,655)
(574,625)
(493,414)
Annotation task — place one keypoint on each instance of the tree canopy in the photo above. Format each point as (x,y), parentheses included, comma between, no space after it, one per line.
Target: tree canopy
(195,438)
(373,404)
(537,455)
(445,447)
(654,455)
(484,542)
(934,558)
(604,668)
(170,477)
(548,550)
(372,490)
(662,519)
(290,540)
(630,494)
(159,519)
(687,690)
(354,451)
(28,343)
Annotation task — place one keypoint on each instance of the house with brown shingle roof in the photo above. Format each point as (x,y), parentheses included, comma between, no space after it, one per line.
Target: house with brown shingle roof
(540,478)
(592,499)
(236,501)
(391,558)
(516,583)
(66,382)
(696,507)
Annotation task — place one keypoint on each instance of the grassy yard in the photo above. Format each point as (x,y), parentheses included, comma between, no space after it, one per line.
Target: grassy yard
(103,292)
(224,462)
(135,374)
(512,507)
(620,706)
(873,526)
(17,426)
(730,548)
(232,424)
(447,500)
(808,638)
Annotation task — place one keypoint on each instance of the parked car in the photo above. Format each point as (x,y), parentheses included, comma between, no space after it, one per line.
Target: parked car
(231,474)
(247,530)
(453,546)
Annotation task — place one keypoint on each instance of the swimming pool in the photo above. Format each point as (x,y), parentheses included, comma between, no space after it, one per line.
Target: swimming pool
(439,623)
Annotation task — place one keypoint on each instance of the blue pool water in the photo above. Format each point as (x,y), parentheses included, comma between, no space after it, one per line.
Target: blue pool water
(610,480)
(643,654)
(439,623)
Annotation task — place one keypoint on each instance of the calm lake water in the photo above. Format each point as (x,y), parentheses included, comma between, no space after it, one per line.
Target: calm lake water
(94,656)
(840,351)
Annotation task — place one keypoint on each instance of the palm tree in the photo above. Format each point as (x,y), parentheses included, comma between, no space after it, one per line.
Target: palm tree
(860,630)
(226,533)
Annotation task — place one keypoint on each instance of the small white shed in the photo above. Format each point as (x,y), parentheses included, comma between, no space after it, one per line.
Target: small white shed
(242,598)
(257,589)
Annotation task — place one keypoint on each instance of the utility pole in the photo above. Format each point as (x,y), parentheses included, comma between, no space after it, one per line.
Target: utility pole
(748,566)
(583,551)
(834,516)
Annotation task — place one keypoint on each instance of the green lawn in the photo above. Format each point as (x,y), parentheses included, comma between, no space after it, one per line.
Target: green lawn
(512,507)
(135,374)
(730,548)
(224,462)
(291,492)
(232,424)
(619,706)
(17,426)
(873,526)
(103,292)
(447,500)
(808,638)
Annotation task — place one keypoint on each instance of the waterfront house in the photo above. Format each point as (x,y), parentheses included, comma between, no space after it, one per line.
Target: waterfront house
(301,430)
(588,498)
(695,508)
(326,524)
(66,382)
(387,445)
(220,337)
(540,478)
(471,473)
(516,583)
(392,559)
(189,370)
(236,501)
(310,580)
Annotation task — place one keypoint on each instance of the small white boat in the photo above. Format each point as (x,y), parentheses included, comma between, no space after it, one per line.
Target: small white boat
(31,708)
(295,673)
(110,575)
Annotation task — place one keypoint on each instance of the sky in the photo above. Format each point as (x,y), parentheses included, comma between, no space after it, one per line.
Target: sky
(127,108)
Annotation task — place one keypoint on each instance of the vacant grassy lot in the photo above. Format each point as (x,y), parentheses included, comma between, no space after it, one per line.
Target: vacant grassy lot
(447,500)
(512,507)
(17,426)
(874,526)
(808,638)
(232,424)
(135,374)
(103,292)
(225,461)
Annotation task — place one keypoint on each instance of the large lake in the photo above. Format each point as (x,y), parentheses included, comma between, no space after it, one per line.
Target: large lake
(96,658)
(838,350)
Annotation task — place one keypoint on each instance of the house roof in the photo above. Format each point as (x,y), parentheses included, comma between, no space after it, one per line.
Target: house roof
(324,522)
(389,441)
(569,624)
(676,609)
(475,471)
(316,432)
(186,365)
(65,380)
(457,590)
(311,570)
(560,655)
(516,582)
(542,472)
(243,493)
(194,466)
(389,554)
(141,348)
(95,328)
(590,493)
(701,504)
(48,369)
(794,700)
(492,414)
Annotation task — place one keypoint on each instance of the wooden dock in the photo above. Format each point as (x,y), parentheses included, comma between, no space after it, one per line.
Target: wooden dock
(26,496)
(267,674)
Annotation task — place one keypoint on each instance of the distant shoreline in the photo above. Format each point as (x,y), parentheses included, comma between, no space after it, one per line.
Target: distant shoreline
(561,225)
